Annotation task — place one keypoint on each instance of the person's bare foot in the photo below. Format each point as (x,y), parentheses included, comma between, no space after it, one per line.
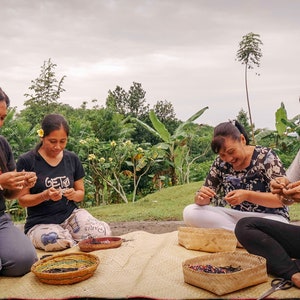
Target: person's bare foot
(296,279)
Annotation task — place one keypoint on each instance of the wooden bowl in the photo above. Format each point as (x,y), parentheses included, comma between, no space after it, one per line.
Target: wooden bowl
(65,268)
(107,242)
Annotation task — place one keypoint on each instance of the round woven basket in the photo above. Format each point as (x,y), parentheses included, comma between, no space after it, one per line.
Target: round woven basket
(252,271)
(65,268)
(92,244)
(207,239)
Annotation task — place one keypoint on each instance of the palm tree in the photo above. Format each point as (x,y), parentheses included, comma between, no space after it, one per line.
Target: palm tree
(249,54)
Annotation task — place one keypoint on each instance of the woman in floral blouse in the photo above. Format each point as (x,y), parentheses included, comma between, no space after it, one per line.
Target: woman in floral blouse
(238,179)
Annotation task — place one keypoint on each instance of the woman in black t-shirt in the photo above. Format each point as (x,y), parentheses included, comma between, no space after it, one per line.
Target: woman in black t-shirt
(54,221)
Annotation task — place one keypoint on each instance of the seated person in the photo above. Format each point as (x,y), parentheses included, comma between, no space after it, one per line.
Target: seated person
(54,220)
(241,175)
(279,243)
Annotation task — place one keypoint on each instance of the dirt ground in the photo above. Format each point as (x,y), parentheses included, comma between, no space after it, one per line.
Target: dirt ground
(120,228)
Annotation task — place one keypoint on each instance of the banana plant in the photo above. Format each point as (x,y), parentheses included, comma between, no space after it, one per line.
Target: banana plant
(171,142)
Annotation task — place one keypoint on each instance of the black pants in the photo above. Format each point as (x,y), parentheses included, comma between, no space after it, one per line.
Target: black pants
(278,242)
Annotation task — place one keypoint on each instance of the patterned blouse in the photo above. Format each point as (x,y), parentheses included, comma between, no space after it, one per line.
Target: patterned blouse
(264,166)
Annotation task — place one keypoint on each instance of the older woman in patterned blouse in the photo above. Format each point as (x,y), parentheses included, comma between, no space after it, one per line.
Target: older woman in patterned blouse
(238,183)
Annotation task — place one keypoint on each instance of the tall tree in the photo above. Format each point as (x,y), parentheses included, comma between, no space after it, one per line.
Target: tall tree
(249,54)
(46,90)
(131,103)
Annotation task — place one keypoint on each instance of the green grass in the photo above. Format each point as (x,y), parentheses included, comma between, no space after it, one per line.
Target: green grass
(164,205)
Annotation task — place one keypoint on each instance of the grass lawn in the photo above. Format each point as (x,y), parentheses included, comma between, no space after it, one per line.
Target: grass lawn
(164,205)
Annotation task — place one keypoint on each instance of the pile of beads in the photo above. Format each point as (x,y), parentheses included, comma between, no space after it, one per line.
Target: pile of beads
(213,269)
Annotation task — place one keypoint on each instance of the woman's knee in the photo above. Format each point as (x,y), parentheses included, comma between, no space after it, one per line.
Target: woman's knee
(50,237)
(17,264)
(243,225)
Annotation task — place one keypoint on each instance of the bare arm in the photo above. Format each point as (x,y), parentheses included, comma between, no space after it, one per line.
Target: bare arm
(236,197)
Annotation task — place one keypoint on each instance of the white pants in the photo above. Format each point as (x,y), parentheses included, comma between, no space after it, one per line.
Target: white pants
(80,225)
(208,216)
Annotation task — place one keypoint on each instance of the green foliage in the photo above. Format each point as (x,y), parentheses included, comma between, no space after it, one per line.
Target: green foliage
(116,168)
(200,170)
(17,212)
(173,142)
(243,119)
(46,90)
(285,140)
(19,133)
(249,52)
(280,116)
(131,103)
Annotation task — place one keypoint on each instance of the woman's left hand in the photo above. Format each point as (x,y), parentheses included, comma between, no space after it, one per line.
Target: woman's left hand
(235,197)
(70,193)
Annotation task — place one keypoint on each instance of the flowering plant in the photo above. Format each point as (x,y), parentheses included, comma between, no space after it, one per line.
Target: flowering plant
(40,133)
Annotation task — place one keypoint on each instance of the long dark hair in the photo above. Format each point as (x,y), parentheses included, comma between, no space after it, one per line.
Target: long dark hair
(232,129)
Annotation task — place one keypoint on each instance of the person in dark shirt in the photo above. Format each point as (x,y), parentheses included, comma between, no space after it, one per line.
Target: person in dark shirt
(279,243)
(17,253)
(54,220)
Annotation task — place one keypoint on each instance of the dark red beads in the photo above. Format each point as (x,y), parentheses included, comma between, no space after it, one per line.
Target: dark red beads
(215,270)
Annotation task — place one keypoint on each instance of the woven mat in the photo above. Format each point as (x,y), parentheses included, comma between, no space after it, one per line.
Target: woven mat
(146,265)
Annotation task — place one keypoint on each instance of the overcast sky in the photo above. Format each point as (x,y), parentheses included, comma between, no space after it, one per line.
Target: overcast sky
(181,51)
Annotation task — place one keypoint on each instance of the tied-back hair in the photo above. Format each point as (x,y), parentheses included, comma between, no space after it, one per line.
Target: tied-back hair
(53,122)
(232,129)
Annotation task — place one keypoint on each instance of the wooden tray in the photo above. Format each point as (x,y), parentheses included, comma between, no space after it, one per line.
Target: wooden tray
(107,242)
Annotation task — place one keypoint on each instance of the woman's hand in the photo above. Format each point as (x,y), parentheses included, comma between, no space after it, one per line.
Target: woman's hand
(70,194)
(277,184)
(13,180)
(236,197)
(203,195)
(30,179)
(52,194)
(292,191)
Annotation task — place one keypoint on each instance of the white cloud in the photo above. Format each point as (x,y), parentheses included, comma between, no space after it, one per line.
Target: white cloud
(181,51)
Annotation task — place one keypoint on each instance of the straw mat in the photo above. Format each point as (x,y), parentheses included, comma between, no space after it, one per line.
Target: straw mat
(145,265)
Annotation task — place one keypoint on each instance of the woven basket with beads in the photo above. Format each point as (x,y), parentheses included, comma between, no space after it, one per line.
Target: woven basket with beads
(207,239)
(65,268)
(252,271)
